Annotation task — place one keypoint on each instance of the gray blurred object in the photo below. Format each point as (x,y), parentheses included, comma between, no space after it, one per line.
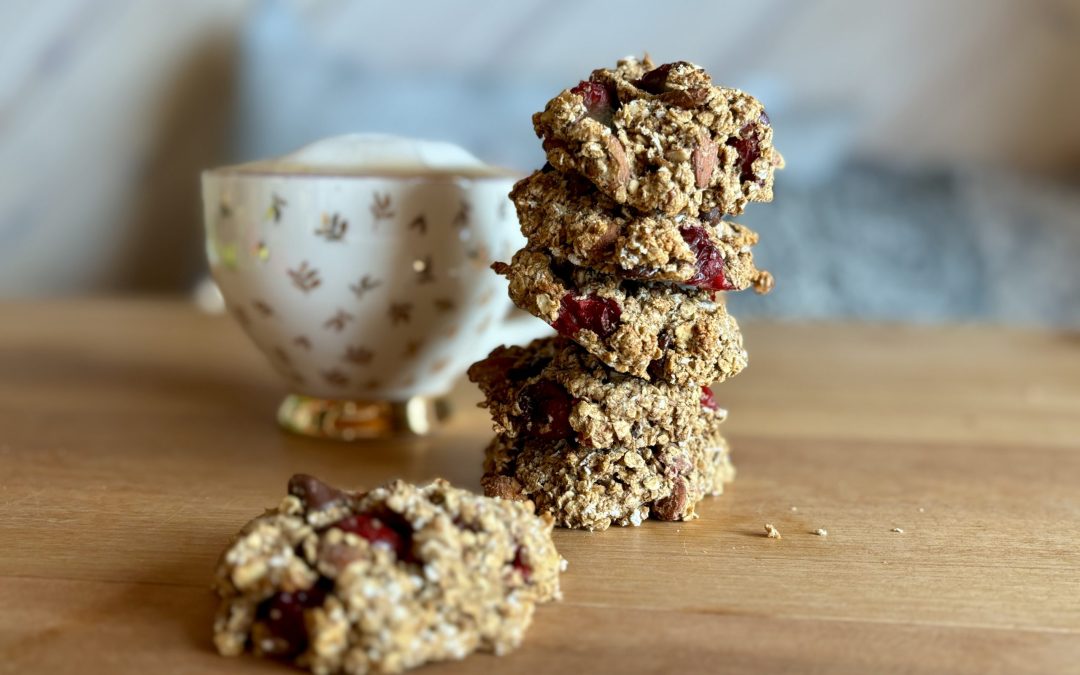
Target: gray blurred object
(933,245)
(927,166)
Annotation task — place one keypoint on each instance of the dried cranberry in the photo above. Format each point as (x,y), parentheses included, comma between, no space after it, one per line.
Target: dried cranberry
(599,101)
(521,566)
(749,148)
(708,399)
(546,406)
(379,531)
(283,617)
(709,263)
(600,315)
(656,366)
(594,94)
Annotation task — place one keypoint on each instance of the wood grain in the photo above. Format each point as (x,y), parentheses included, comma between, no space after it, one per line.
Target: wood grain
(136,436)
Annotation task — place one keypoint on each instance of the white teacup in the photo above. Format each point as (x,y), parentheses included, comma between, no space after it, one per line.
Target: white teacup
(359,265)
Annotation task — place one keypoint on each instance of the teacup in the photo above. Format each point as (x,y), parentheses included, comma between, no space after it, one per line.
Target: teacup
(359,265)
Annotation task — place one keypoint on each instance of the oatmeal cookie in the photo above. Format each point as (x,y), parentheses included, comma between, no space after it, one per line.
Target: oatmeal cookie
(567,216)
(594,488)
(653,331)
(553,389)
(382,581)
(662,138)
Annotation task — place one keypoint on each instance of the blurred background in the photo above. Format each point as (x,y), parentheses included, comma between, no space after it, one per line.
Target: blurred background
(933,148)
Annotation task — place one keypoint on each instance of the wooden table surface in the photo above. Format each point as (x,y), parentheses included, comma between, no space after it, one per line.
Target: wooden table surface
(137,436)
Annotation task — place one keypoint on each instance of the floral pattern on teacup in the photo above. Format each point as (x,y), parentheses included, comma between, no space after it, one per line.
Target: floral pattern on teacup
(362,288)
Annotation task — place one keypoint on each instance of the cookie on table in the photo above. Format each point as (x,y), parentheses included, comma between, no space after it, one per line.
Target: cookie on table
(662,138)
(567,216)
(382,581)
(588,488)
(553,389)
(653,331)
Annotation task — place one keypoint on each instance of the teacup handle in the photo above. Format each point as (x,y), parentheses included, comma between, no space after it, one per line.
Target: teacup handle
(516,328)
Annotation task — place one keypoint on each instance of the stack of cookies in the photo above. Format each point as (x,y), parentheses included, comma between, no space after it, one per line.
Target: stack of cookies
(628,252)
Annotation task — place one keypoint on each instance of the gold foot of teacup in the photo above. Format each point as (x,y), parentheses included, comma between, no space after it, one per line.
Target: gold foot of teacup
(353,420)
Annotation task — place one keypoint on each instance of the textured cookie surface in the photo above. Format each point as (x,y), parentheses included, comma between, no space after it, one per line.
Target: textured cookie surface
(654,331)
(553,389)
(385,580)
(566,215)
(596,488)
(662,138)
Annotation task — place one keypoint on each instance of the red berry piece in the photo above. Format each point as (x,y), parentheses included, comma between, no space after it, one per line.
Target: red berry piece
(600,315)
(749,148)
(546,406)
(594,94)
(378,532)
(283,617)
(521,566)
(709,263)
(708,399)
(599,101)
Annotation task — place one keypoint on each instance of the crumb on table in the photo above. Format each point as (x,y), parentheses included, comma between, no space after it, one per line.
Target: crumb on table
(821,532)
(771,532)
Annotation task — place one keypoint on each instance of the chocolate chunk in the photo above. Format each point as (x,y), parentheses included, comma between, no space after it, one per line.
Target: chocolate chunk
(315,494)
(685,98)
(655,81)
